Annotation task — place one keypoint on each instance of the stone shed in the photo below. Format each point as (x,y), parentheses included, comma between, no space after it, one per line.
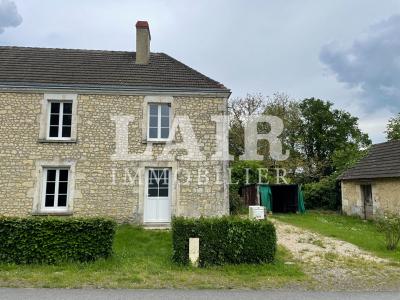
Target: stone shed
(373,185)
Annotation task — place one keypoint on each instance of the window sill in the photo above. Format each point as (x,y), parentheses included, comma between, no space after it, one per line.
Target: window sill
(73,141)
(52,213)
(157,141)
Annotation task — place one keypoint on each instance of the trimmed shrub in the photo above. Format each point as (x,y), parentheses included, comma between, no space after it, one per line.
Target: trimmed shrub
(54,240)
(225,240)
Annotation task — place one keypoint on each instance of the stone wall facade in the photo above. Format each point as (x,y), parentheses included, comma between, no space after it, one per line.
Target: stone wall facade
(103,186)
(385,196)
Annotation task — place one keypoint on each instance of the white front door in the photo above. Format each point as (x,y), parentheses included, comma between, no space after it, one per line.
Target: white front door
(157,203)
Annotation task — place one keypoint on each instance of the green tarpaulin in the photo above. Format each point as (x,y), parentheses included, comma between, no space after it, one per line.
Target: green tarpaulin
(300,201)
(266,197)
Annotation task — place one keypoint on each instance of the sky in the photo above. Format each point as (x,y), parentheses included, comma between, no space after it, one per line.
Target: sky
(347,52)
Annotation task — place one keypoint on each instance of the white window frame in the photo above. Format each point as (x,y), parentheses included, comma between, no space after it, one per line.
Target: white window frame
(159,138)
(55,208)
(60,120)
(44,134)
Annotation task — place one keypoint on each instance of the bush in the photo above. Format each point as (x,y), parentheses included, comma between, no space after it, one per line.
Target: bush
(55,240)
(236,203)
(389,225)
(224,240)
(238,179)
(323,194)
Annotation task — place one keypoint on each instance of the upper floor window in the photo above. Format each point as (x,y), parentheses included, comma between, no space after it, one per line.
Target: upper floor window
(60,119)
(159,121)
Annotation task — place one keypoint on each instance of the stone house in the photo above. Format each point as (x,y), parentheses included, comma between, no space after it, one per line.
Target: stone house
(83,131)
(372,186)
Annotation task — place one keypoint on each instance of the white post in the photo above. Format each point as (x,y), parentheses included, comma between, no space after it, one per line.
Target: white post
(194,251)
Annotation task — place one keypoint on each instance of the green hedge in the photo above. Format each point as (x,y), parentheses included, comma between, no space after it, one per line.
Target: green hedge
(225,240)
(55,240)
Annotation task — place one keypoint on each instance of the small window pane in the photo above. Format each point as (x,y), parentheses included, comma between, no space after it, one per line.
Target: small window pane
(164,133)
(67,108)
(164,121)
(66,131)
(153,121)
(67,120)
(51,175)
(54,118)
(63,187)
(165,110)
(53,131)
(49,201)
(50,187)
(63,175)
(152,173)
(62,200)
(153,193)
(153,183)
(55,108)
(153,133)
(163,192)
(163,183)
(154,109)
(164,177)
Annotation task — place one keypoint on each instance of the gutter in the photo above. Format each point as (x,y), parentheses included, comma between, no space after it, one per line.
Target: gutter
(113,89)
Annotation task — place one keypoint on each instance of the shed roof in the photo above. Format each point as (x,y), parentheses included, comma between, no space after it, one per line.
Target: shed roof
(382,161)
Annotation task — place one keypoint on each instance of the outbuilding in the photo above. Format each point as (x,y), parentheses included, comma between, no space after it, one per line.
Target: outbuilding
(372,186)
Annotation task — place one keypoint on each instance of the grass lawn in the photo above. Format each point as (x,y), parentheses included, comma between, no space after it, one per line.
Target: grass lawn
(350,229)
(142,260)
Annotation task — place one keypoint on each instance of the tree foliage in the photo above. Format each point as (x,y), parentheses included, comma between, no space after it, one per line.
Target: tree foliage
(323,142)
(393,129)
(323,132)
(315,133)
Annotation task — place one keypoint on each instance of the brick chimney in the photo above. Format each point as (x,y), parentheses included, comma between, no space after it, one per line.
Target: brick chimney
(142,42)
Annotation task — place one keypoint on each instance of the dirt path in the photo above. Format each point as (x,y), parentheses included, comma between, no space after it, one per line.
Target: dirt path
(335,264)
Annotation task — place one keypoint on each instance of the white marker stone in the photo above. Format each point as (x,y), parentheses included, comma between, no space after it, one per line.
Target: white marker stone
(194,251)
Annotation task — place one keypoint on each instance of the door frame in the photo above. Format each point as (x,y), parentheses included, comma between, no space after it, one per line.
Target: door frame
(364,202)
(145,193)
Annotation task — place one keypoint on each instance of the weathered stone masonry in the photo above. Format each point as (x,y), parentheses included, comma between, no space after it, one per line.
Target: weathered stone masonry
(94,192)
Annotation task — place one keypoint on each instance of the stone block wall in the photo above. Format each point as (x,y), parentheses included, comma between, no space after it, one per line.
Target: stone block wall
(385,195)
(102,186)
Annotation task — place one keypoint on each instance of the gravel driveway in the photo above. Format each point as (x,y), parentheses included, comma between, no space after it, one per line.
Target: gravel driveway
(335,264)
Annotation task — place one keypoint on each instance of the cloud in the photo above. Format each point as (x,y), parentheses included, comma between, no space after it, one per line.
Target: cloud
(9,16)
(371,64)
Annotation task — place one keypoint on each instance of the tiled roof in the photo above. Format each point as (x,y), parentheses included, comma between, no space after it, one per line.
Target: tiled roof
(382,161)
(49,66)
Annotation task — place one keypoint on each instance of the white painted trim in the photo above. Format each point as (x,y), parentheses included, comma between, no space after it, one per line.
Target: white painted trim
(145,120)
(175,188)
(146,196)
(39,185)
(45,116)
(56,208)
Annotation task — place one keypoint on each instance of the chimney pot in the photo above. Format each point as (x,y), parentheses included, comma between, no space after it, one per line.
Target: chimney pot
(142,42)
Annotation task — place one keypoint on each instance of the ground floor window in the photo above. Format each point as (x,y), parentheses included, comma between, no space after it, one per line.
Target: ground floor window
(55,189)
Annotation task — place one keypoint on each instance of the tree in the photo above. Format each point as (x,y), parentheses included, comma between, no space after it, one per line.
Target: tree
(393,129)
(323,131)
(240,110)
(321,140)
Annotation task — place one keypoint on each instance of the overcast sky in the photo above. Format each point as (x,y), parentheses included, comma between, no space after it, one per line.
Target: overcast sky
(347,52)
